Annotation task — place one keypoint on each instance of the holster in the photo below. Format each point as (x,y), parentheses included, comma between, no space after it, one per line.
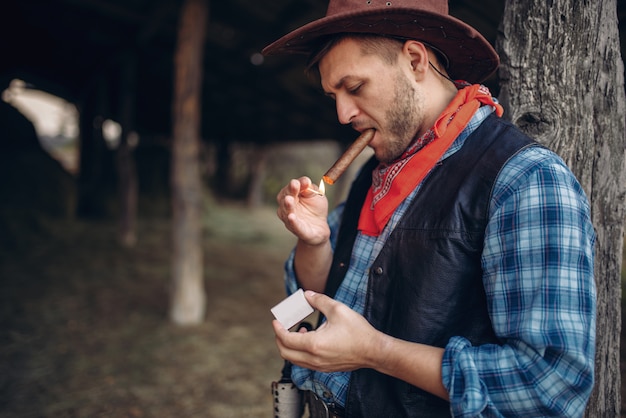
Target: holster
(288,399)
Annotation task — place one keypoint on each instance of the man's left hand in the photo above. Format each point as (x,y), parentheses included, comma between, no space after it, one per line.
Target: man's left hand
(345,342)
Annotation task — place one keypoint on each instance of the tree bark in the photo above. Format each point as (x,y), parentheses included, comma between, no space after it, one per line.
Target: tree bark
(562,81)
(188,299)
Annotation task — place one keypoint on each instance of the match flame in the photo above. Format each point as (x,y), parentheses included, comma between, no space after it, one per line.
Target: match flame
(322,188)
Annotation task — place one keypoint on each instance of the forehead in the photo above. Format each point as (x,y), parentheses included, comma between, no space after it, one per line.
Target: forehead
(346,59)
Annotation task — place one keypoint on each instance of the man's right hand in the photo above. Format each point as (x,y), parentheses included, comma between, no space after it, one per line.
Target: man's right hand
(304,211)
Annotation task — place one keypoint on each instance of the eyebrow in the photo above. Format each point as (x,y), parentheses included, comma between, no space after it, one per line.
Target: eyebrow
(339,84)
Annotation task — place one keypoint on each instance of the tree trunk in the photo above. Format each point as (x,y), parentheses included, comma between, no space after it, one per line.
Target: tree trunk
(223,182)
(93,184)
(258,172)
(562,82)
(188,299)
(126,170)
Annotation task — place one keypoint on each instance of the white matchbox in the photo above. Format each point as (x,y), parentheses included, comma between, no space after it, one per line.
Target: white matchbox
(292,310)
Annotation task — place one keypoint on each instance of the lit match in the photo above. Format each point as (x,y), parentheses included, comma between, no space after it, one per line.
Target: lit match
(353,151)
(321,190)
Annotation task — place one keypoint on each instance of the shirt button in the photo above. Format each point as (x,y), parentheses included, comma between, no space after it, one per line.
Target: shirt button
(378,271)
(327,394)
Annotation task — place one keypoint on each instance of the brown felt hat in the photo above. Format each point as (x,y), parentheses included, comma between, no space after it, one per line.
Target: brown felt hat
(470,57)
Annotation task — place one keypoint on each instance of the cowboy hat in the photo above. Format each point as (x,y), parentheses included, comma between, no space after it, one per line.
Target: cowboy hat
(470,56)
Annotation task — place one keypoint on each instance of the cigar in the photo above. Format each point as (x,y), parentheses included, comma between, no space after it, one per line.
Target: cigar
(353,151)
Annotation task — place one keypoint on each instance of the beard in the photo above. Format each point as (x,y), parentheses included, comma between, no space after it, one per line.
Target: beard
(403,119)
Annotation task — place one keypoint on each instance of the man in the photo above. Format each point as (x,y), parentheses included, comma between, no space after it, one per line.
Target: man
(463,256)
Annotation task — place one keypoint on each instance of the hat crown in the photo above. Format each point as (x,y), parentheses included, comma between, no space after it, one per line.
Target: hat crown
(338,7)
(469,55)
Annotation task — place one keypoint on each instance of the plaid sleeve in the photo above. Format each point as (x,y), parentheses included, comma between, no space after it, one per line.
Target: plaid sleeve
(291,281)
(538,276)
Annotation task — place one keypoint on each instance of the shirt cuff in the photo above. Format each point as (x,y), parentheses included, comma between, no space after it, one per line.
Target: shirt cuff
(461,380)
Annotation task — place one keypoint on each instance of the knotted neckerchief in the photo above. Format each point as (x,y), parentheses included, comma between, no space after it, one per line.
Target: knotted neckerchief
(393,182)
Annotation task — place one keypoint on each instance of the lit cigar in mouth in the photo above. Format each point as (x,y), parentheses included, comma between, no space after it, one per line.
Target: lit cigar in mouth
(353,151)
(342,164)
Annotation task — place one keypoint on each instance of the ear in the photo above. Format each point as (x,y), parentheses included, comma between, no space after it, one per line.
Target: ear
(417,55)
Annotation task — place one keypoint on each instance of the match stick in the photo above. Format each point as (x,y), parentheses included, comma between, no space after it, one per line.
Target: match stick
(317,192)
(353,151)
(321,191)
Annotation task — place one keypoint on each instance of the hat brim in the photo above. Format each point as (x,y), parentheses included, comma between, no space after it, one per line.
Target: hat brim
(470,56)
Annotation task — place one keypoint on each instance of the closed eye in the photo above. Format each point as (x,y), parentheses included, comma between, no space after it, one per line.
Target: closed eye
(355,90)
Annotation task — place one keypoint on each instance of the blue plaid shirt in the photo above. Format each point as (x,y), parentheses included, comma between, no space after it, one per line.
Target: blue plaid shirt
(537,265)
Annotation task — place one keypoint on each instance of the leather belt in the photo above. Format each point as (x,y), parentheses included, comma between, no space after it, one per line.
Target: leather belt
(320,409)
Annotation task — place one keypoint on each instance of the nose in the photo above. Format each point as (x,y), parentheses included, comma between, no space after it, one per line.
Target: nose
(346,109)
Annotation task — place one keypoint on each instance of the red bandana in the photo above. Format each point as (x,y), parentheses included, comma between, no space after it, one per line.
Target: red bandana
(392,183)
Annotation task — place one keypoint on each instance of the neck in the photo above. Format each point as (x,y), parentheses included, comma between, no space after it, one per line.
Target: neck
(441,94)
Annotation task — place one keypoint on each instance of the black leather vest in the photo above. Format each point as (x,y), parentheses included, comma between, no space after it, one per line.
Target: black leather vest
(426,284)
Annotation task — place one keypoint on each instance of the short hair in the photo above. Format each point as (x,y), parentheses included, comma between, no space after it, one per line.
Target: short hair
(385,47)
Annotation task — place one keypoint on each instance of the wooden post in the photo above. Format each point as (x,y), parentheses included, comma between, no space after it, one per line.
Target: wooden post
(126,170)
(188,298)
(258,173)
(94,178)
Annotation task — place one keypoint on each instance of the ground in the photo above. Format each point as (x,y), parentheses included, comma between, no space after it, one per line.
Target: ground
(85,331)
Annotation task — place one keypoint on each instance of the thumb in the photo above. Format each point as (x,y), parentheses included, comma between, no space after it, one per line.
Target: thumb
(319,301)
